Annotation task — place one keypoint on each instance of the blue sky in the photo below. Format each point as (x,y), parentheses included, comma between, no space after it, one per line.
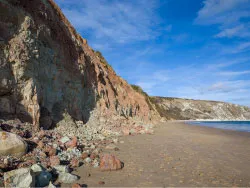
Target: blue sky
(196,49)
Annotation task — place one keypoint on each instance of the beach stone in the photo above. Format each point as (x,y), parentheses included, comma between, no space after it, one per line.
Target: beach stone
(21,178)
(101,182)
(126,131)
(54,160)
(36,168)
(110,162)
(72,143)
(40,144)
(74,163)
(84,155)
(76,185)
(111,147)
(11,144)
(64,139)
(87,160)
(61,168)
(43,179)
(64,177)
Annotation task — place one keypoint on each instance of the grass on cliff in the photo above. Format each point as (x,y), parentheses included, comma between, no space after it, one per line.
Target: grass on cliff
(147,97)
(102,59)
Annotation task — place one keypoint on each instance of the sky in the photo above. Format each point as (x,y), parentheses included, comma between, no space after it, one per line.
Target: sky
(198,49)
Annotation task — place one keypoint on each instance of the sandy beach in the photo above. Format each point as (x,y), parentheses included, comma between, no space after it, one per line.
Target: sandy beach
(178,154)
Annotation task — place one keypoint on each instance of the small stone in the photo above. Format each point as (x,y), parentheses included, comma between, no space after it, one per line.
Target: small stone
(110,147)
(52,152)
(61,168)
(101,182)
(110,162)
(88,160)
(126,131)
(76,185)
(40,144)
(64,177)
(74,163)
(72,143)
(93,156)
(84,155)
(54,160)
(64,139)
(41,134)
(96,163)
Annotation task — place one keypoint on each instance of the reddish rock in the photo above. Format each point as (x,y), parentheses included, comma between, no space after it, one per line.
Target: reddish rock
(84,155)
(72,143)
(52,152)
(40,144)
(93,156)
(110,162)
(54,160)
(74,163)
(76,185)
(41,134)
(101,182)
(125,131)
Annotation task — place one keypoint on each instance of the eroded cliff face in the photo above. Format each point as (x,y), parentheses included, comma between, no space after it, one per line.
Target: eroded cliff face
(186,109)
(47,70)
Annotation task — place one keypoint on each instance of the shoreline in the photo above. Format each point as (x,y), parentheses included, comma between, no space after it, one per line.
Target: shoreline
(178,154)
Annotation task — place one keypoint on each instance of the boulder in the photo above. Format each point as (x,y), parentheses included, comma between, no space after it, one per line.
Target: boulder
(19,178)
(110,162)
(11,144)
(43,179)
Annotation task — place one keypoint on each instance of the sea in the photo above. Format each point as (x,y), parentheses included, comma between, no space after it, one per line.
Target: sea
(230,125)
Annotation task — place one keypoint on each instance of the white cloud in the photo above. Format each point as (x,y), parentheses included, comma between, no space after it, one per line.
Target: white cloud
(116,21)
(222,11)
(228,15)
(234,73)
(238,31)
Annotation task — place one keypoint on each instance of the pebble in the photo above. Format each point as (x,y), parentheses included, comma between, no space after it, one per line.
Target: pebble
(87,160)
(76,185)
(101,182)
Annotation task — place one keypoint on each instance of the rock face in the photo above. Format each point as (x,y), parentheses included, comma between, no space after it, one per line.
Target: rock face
(186,109)
(11,144)
(47,70)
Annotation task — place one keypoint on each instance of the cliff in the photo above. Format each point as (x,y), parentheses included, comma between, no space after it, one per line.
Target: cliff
(187,109)
(48,72)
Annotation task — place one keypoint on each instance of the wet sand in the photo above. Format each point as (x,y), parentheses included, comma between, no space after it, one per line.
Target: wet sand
(178,154)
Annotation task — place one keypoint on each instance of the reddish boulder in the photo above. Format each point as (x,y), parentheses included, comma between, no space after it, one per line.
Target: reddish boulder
(110,162)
